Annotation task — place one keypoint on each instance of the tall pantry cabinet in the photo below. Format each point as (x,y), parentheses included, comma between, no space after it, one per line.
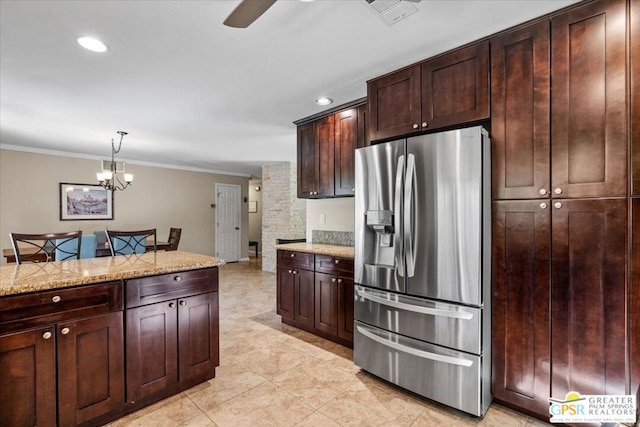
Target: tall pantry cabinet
(560,206)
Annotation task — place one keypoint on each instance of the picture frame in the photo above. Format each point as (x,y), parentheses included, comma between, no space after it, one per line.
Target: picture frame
(253,206)
(80,202)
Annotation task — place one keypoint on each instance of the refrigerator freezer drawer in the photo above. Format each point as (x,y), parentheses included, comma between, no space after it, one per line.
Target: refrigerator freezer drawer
(446,376)
(450,325)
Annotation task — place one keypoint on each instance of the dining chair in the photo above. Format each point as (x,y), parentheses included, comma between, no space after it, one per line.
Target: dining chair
(130,242)
(87,247)
(174,238)
(46,247)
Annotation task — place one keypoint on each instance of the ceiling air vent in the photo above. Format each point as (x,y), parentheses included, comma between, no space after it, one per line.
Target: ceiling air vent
(392,11)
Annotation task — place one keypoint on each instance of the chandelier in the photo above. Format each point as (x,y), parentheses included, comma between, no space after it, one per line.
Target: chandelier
(109,178)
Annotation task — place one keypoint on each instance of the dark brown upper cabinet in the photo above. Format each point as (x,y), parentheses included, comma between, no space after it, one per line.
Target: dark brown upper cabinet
(635,95)
(316,143)
(520,113)
(589,121)
(444,91)
(326,151)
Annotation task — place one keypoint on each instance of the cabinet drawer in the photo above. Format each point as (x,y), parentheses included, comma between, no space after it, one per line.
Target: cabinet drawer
(148,290)
(43,308)
(292,259)
(334,265)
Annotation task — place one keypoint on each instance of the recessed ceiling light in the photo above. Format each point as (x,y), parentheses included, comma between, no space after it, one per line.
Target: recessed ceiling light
(92,44)
(324,101)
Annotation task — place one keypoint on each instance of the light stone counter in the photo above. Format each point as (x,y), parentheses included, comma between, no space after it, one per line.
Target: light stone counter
(319,248)
(31,277)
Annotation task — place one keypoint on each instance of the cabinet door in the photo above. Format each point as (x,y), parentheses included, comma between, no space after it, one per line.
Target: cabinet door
(520,307)
(198,336)
(588,296)
(304,296)
(520,113)
(635,94)
(394,104)
(345,308)
(634,295)
(307,152)
(326,301)
(346,126)
(90,368)
(589,125)
(325,140)
(285,290)
(28,378)
(455,87)
(152,339)
(363,126)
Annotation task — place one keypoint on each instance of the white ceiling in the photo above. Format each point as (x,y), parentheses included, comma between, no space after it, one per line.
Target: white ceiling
(193,93)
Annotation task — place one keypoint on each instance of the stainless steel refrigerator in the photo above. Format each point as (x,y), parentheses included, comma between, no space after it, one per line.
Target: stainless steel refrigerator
(423,267)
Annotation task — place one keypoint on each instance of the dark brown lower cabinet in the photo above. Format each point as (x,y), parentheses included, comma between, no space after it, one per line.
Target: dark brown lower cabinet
(90,368)
(28,378)
(345,308)
(295,294)
(521,265)
(567,333)
(171,342)
(588,296)
(634,292)
(326,303)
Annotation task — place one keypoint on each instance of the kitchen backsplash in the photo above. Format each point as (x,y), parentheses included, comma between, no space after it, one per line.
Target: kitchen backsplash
(340,238)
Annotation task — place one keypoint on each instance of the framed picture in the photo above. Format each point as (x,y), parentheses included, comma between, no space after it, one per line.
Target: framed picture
(85,202)
(253,207)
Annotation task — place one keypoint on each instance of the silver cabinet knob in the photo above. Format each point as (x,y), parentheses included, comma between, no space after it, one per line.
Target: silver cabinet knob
(65,331)
(295,271)
(183,303)
(425,124)
(293,255)
(339,280)
(543,205)
(177,278)
(172,305)
(56,298)
(337,261)
(415,126)
(353,190)
(333,280)
(558,190)
(542,191)
(47,335)
(290,271)
(557,205)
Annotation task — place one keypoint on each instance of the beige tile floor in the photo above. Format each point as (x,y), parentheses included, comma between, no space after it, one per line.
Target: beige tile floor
(272,374)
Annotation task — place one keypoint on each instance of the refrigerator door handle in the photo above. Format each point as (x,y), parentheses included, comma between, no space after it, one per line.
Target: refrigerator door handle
(398,241)
(419,353)
(415,308)
(409,215)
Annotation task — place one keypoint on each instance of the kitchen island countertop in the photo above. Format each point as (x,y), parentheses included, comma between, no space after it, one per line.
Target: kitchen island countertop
(319,248)
(32,277)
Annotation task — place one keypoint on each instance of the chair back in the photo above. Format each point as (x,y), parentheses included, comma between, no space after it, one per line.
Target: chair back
(46,247)
(88,247)
(130,242)
(174,238)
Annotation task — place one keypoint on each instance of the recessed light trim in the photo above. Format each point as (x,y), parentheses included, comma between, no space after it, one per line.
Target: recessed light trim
(324,100)
(92,44)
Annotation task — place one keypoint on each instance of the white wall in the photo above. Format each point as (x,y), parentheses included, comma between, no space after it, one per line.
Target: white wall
(337,214)
(159,198)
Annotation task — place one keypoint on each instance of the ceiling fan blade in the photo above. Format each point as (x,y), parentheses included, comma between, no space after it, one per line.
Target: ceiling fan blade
(247,12)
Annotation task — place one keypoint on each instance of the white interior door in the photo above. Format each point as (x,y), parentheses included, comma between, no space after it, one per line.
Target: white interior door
(228,222)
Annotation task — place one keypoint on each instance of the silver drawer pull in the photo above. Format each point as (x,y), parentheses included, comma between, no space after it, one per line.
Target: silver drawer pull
(177,278)
(416,309)
(65,331)
(293,255)
(46,335)
(420,353)
(337,261)
(56,298)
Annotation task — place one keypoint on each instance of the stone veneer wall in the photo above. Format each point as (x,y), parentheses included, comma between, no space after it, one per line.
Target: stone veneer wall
(283,214)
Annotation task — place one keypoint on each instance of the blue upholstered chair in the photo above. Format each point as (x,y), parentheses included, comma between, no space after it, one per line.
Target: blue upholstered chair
(130,242)
(66,246)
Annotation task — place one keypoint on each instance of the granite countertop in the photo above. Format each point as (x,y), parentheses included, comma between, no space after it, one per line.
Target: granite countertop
(31,277)
(319,248)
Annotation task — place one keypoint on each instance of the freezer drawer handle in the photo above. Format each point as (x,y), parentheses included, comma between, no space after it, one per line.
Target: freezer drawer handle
(417,309)
(420,353)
